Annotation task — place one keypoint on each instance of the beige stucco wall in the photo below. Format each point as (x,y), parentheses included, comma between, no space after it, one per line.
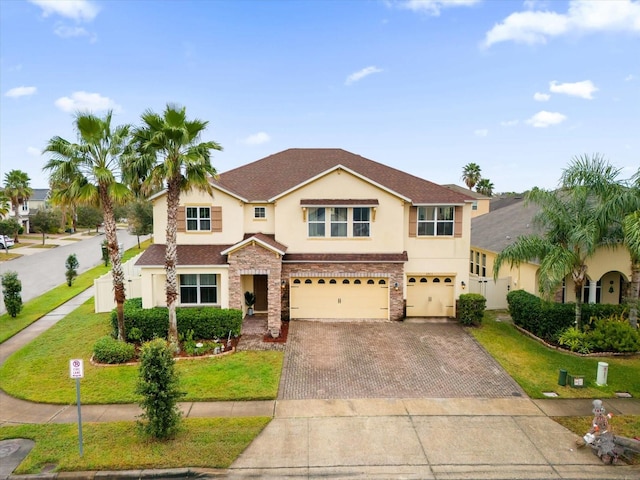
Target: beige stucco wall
(153,285)
(258,225)
(483,207)
(292,230)
(232,218)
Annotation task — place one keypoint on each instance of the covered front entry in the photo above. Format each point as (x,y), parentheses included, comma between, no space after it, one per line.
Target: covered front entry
(430,296)
(339,298)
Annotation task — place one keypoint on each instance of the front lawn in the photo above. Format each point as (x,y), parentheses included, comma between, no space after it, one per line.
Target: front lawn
(48,301)
(202,442)
(40,371)
(536,367)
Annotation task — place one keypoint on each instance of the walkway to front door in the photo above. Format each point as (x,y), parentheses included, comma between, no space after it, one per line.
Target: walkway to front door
(388,360)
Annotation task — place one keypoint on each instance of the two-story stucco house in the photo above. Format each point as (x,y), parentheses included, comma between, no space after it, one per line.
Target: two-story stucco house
(317,234)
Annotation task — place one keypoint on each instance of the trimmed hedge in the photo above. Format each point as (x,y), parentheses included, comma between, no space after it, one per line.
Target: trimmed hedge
(109,350)
(206,322)
(548,319)
(471,308)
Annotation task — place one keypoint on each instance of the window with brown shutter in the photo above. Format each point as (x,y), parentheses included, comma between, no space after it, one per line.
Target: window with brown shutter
(181,220)
(457,227)
(216,219)
(413,221)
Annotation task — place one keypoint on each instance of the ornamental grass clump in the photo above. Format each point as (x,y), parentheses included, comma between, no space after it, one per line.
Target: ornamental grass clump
(158,383)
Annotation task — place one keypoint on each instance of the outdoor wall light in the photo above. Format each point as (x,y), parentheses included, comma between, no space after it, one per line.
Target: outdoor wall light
(611,286)
(464,285)
(283,284)
(395,286)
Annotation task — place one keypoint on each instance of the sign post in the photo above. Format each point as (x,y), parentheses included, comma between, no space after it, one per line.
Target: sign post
(76,370)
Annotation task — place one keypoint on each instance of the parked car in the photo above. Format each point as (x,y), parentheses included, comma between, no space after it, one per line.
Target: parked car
(6,242)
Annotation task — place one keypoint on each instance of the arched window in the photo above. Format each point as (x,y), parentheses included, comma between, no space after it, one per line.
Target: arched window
(447,280)
(346,281)
(436,280)
(382,282)
(332,281)
(370,282)
(321,281)
(423,280)
(357,281)
(412,280)
(297,281)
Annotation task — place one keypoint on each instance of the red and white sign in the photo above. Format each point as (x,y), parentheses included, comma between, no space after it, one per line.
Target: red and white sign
(76,368)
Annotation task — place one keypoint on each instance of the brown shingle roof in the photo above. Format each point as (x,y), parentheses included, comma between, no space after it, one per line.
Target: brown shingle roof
(271,176)
(187,255)
(346,257)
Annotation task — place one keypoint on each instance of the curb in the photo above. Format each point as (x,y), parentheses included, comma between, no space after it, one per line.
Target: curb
(126,474)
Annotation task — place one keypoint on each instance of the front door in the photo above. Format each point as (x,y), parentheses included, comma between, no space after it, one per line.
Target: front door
(260,291)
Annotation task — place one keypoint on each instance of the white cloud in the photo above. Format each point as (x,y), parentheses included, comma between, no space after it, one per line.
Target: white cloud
(544,119)
(481,132)
(365,72)
(629,78)
(433,7)
(21,92)
(65,31)
(541,97)
(257,138)
(582,16)
(79,10)
(86,101)
(33,151)
(583,89)
(509,123)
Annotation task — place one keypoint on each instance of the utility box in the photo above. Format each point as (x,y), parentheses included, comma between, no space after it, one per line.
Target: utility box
(603,370)
(562,377)
(576,381)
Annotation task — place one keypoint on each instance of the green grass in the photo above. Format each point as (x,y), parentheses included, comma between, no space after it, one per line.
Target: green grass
(40,306)
(535,367)
(202,442)
(46,245)
(40,371)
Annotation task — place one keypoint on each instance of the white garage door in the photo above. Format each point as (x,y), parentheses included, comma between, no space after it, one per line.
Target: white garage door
(339,298)
(430,296)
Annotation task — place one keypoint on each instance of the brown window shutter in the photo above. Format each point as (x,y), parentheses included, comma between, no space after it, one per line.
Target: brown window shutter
(457,224)
(413,221)
(216,219)
(181,219)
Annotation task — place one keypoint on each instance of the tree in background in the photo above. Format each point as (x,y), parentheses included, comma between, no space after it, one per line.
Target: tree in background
(9,227)
(169,153)
(140,218)
(485,187)
(72,268)
(91,169)
(88,216)
(12,293)
(158,384)
(619,216)
(45,221)
(5,203)
(471,174)
(17,189)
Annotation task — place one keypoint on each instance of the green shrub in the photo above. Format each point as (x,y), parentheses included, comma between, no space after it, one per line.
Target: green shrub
(575,340)
(206,322)
(471,308)
(158,383)
(134,335)
(72,268)
(109,350)
(524,308)
(12,293)
(614,334)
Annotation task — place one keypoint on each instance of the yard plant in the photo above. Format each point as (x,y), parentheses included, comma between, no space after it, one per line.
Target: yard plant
(12,293)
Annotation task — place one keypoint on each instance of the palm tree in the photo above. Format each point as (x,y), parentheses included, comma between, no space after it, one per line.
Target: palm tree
(471,174)
(5,204)
(485,187)
(17,189)
(169,153)
(571,234)
(90,173)
(620,213)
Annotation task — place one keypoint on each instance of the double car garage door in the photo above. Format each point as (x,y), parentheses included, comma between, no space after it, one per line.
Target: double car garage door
(339,298)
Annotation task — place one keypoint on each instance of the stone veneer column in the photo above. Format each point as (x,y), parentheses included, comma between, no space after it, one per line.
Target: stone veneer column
(249,260)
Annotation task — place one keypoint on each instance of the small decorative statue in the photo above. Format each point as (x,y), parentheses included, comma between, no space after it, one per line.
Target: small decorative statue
(599,437)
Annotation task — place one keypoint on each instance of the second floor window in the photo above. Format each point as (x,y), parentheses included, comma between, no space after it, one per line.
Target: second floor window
(339,222)
(435,221)
(259,212)
(198,219)
(25,206)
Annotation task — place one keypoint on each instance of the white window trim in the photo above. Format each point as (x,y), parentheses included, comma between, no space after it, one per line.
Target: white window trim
(197,218)
(329,222)
(263,210)
(198,286)
(435,221)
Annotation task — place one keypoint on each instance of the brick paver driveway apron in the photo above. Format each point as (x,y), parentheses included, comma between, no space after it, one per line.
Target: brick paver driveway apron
(388,360)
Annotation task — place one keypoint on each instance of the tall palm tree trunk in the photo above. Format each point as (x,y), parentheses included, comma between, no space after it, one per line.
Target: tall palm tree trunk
(116,264)
(634,292)
(171,257)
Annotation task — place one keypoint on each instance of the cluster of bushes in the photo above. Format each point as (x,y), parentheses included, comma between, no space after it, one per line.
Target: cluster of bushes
(204,322)
(612,334)
(470,309)
(606,327)
(109,350)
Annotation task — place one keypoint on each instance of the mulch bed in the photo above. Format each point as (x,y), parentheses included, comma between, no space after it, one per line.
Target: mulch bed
(284,332)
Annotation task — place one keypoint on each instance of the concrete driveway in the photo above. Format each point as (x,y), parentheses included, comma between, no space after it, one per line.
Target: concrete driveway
(389,360)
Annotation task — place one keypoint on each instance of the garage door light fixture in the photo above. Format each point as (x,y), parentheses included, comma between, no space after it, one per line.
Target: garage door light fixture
(464,285)
(395,286)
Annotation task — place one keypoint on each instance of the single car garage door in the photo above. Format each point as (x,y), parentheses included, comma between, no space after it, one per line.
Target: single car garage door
(339,298)
(430,296)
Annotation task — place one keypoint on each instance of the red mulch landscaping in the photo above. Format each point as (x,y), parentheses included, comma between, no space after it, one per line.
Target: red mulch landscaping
(284,331)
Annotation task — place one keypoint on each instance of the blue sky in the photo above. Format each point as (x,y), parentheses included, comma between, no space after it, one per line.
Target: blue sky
(518,87)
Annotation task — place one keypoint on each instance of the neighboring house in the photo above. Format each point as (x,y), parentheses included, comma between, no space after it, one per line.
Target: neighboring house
(317,234)
(38,200)
(609,270)
(480,204)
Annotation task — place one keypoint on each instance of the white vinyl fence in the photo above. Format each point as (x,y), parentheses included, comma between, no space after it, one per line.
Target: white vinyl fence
(494,291)
(103,287)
